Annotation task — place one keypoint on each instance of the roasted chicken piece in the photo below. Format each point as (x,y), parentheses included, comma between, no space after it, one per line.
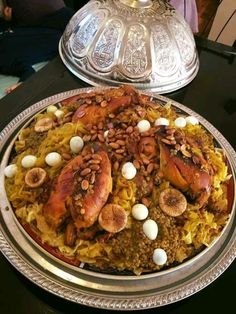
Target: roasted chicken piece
(60,206)
(94,200)
(110,102)
(185,175)
(95,113)
(55,211)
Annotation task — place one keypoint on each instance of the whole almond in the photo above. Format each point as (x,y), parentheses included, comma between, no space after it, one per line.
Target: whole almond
(84,185)
(114,145)
(66,156)
(84,172)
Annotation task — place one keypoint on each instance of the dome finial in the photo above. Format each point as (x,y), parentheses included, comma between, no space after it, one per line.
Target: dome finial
(138,4)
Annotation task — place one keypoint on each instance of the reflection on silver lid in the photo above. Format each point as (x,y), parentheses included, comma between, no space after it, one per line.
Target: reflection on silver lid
(144,43)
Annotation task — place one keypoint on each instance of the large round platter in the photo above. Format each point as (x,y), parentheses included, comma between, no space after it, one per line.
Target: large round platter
(102,290)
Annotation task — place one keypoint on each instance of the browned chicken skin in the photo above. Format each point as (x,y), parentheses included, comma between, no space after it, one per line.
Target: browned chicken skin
(96,113)
(58,207)
(93,201)
(184,175)
(55,210)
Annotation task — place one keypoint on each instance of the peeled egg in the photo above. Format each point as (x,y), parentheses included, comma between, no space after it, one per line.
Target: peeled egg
(191,120)
(28,161)
(180,122)
(139,211)
(159,257)
(76,144)
(59,113)
(51,108)
(53,159)
(10,170)
(150,229)
(143,125)
(128,171)
(161,121)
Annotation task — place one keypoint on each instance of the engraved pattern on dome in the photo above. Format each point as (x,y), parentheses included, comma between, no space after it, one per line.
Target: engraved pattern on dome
(183,40)
(165,58)
(135,51)
(77,18)
(83,37)
(153,11)
(103,55)
(135,58)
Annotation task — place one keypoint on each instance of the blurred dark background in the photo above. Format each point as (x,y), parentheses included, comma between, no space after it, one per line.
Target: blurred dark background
(75,4)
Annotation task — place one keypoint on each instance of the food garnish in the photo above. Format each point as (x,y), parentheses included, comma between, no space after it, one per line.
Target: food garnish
(112,218)
(150,229)
(172,202)
(28,161)
(10,170)
(139,211)
(35,177)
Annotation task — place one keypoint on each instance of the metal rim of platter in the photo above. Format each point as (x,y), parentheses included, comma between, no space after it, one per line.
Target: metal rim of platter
(106,291)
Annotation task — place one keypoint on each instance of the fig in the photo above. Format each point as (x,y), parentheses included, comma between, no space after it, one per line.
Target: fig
(112,218)
(35,177)
(172,202)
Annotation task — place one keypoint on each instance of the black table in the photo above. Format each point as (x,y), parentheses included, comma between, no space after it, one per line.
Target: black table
(212,94)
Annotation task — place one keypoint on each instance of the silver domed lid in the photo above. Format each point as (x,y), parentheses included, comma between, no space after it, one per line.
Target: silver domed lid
(145,43)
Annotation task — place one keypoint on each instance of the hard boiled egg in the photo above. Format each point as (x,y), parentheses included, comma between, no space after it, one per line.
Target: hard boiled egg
(191,120)
(150,229)
(180,122)
(28,161)
(10,170)
(76,144)
(143,126)
(159,257)
(161,121)
(51,108)
(139,211)
(128,171)
(59,113)
(53,159)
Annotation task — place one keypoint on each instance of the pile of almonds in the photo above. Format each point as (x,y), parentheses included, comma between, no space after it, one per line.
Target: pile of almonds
(88,170)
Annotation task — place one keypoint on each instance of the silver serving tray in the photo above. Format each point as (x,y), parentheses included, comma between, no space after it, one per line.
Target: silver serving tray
(102,290)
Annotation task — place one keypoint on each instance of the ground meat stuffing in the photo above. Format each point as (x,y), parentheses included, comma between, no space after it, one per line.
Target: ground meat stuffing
(135,250)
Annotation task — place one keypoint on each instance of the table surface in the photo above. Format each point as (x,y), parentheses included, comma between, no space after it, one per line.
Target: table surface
(212,94)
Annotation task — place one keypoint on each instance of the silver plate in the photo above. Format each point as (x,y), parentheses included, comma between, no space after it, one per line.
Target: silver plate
(119,292)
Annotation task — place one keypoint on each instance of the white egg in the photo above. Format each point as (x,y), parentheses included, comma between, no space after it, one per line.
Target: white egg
(51,108)
(191,120)
(128,171)
(10,170)
(28,161)
(76,144)
(180,122)
(143,126)
(139,211)
(161,121)
(59,113)
(159,257)
(150,229)
(53,159)
(105,134)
